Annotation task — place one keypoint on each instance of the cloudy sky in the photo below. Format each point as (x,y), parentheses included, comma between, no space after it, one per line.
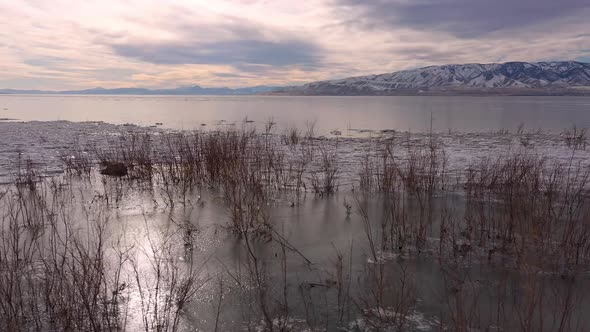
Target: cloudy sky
(71,44)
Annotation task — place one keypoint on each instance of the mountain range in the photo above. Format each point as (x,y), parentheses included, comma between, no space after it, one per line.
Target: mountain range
(510,78)
(191,90)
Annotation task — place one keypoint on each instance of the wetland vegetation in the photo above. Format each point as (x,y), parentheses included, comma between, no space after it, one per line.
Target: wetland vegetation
(239,229)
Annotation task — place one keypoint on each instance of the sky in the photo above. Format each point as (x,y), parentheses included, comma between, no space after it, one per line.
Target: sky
(72,44)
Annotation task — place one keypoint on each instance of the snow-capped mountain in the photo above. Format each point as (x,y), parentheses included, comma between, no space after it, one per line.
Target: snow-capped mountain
(504,77)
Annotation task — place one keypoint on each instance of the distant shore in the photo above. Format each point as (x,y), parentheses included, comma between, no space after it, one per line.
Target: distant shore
(529,92)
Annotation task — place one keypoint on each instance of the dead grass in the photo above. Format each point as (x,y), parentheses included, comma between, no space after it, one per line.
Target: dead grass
(524,216)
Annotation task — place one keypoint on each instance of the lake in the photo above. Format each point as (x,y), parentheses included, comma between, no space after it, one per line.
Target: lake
(471,114)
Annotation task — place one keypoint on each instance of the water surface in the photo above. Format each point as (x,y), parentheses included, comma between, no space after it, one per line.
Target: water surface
(329,113)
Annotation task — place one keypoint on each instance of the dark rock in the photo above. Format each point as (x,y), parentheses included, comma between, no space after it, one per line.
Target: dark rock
(114,169)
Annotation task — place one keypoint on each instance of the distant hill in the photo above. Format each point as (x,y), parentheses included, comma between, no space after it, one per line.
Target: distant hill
(192,90)
(510,78)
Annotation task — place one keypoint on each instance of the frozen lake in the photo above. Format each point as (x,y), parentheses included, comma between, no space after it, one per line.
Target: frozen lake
(480,225)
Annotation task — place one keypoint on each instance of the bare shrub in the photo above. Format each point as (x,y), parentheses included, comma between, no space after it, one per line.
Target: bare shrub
(575,138)
(324,181)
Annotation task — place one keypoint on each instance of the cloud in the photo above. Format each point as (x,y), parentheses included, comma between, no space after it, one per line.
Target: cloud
(182,35)
(231,75)
(258,52)
(44,61)
(61,45)
(464,18)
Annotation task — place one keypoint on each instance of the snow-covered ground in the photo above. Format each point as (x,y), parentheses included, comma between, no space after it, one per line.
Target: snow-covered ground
(46,142)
